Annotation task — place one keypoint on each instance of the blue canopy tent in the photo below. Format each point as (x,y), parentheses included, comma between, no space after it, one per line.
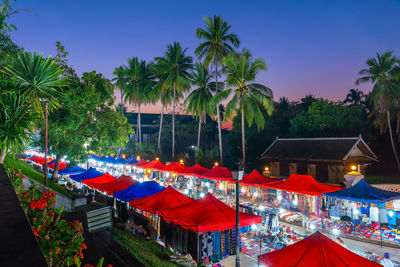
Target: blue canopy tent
(89,174)
(71,171)
(139,190)
(132,161)
(94,156)
(363,192)
(102,159)
(121,161)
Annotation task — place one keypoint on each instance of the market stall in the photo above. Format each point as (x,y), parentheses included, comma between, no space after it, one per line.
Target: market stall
(139,190)
(105,178)
(71,171)
(316,250)
(121,183)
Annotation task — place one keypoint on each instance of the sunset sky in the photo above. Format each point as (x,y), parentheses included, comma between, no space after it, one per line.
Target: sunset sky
(312,47)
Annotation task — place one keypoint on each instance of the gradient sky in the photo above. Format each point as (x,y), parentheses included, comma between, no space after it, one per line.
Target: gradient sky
(312,47)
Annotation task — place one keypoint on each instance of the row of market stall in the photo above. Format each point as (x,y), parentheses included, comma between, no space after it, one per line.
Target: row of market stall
(265,194)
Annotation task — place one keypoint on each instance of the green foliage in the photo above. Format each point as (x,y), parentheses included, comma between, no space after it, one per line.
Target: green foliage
(327,119)
(28,171)
(36,77)
(7,46)
(17,119)
(86,121)
(60,241)
(147,252)
(206,158)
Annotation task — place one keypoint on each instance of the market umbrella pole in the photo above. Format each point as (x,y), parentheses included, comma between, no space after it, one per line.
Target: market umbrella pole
(237,224)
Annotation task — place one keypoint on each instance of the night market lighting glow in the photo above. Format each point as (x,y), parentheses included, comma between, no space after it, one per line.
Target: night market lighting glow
(254,227)
(391,213)
(281,210)
(335,231)
(353,167)
(295,202)
(355,211)
(279,198)
(202,194)
(216,164)
(261,208)
(221,186)
(267,168)
(312,226)
(255,194)
(186,191)
(243,190)
(157,158)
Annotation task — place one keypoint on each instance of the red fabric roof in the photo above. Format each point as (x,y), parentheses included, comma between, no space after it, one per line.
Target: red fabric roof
(140,163)
(168,198)
(206,215)
(40,160)
(33,158)
(174,167)
(303,184)
(195,170)
(61,166)
(105,178)
(217,173)
(256,179)
(154,165)
(123,182)
(315,250)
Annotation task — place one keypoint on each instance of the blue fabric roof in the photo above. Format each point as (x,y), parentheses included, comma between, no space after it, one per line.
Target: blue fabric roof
(121,160)
(94,156)
(132,161)
(89,174)
(51,162)
(72,170)
(363,192)
(139,190)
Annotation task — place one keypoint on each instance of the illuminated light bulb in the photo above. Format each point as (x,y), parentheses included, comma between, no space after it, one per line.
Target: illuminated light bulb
(353,167)
(137,158)
(243,190)
(391,213)
(255,194)
(279,198)
(216,164)
(157,158)
(186,191)
(202,194)
(221,186)
(267,168)
(281,210)
(208,184)
(295,202)
(335,231)
(254,227)
(312,226)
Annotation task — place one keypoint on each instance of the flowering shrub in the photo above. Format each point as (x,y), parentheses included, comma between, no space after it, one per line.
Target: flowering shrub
(61,241)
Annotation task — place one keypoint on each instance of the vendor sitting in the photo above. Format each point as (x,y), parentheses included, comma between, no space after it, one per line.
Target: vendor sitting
(366,219)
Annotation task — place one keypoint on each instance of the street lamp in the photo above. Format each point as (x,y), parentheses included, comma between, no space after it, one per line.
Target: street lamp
(46,103)
(237,175)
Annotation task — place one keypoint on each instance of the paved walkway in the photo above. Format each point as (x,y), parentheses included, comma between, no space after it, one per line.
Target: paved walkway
(244,261)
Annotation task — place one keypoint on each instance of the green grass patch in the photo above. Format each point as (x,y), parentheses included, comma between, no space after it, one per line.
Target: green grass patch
(29,171)
(374,179)
(146,251)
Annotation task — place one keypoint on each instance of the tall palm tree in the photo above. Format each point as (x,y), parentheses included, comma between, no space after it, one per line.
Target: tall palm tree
(383,74)
(218,42)
(249,98)
(354,96)
(174,69)
(198,101)
(139,78)
(120,81)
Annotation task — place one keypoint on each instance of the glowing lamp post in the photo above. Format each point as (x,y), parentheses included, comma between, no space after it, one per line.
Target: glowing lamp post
(237,175)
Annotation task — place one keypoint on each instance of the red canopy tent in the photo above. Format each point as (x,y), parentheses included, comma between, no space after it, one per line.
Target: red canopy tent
(195,170)
(139,163)
(174,167)
(256,179)
(217,173)
(123,182)
(168,198)
(315,250)
(61,166)
(207,215)
(105,178)
(40,160)
(154,165)
(33,158)
(303,184)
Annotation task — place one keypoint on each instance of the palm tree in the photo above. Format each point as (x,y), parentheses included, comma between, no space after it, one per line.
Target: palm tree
(198,101)
(36,77)
(354,96)
(120,80)
(17,119)
(383,74)
(218,42)
(248,98)
(174,70)
(139,81)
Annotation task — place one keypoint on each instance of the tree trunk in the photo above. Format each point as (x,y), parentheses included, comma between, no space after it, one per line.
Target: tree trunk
(173,124)
(391,139)
(198,134)
(221,153)
(45,145)
(56,165)
(159,131)
(243,142)
(139,126)
(122,105)
(2,155)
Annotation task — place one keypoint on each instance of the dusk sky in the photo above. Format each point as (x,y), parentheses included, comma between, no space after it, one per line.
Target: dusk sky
(314,47)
